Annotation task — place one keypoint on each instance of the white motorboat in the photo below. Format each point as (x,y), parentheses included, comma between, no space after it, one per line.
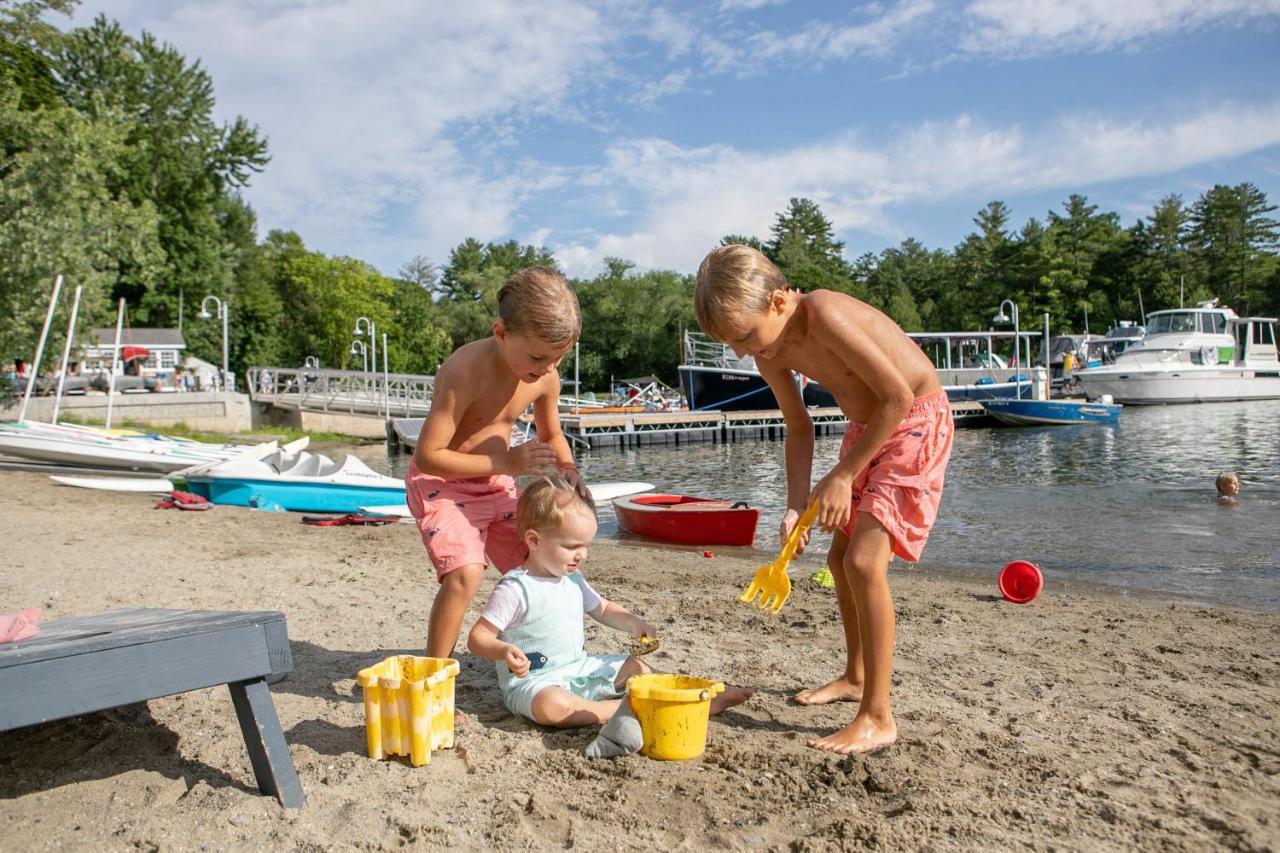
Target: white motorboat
(1205,354)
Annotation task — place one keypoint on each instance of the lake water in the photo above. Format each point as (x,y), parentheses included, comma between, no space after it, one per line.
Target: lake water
(1131,506)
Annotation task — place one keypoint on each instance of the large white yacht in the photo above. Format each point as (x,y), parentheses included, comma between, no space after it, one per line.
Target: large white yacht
(1204,354)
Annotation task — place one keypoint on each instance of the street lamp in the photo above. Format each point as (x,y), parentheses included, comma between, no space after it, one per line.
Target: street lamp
(223,311)
(1001,317)
(362,348)
(372,329)
(312,362)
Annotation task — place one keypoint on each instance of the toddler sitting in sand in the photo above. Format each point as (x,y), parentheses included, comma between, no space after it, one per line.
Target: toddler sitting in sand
(532,625)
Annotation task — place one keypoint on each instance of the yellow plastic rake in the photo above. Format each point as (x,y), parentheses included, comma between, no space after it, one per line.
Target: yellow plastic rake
(771,583)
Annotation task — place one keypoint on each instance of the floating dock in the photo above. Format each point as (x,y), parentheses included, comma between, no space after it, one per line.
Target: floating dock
(585,430)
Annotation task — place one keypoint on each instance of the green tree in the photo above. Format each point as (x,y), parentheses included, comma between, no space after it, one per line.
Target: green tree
(26,40)
(631,323)
(1233,240)
(176,156)
(59,215)
(802,244)
(1074,241)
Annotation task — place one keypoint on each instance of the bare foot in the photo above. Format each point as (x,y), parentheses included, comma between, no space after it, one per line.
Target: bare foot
(836,690)
(862,735)
(730,697)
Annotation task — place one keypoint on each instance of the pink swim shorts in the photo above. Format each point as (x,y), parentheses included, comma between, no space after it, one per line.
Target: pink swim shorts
(902,486)
(464,522)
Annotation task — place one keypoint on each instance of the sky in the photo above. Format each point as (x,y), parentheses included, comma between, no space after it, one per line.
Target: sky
(647,130)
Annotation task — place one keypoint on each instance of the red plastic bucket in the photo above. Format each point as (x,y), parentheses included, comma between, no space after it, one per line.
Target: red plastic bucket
(1020,581)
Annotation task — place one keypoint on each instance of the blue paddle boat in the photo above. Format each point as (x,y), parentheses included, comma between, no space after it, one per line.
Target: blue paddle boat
(1027,412)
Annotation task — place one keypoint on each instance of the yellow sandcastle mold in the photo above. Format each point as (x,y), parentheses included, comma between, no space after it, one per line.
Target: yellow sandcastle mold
(408,706)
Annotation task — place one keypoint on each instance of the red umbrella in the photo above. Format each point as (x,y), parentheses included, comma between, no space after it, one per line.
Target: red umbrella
(130,353)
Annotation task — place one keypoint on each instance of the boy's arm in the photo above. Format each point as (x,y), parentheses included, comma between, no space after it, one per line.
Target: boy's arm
(619,618)
(798,444)
(546,417)
(431,455)
(864,357)
(483,642)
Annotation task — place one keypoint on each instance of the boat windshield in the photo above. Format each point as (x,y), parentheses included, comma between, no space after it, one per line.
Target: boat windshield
(1174,321)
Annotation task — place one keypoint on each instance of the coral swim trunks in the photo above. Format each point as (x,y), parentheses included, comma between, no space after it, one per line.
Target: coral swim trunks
(902,486)
(464,522)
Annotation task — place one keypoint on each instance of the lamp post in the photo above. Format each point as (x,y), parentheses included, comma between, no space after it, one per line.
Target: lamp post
(1001,317)
(362,348)
(311,361)
(223,311)
(372,329)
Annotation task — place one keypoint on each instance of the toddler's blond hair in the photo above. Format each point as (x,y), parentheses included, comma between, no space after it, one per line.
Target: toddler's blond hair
(544,503)
(733,282)
(1224,479)
(538,302)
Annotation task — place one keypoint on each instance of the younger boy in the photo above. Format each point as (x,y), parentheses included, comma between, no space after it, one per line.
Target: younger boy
(460,484)
(882,497)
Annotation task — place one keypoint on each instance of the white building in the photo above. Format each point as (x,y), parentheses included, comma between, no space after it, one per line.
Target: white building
(164,350)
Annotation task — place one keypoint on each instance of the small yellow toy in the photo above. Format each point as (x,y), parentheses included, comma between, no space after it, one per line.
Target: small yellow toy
(408,706)
(673,711)
(770,588)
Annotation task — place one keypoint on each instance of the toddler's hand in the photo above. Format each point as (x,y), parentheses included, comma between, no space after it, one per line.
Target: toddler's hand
(643,629)
(532,457)
(789,519)
(516,662)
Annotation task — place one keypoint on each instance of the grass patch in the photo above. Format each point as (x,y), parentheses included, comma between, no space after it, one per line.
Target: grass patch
(279,433)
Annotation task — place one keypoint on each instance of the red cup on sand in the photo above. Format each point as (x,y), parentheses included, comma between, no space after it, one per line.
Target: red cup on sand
(1020,581)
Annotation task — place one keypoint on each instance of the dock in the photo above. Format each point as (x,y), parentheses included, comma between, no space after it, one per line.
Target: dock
(585,430)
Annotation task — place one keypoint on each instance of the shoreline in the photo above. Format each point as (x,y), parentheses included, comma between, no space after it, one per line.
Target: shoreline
(1079,721)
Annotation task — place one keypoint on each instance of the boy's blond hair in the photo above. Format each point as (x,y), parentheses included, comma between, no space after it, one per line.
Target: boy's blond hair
(544,503)
(733,282)
(538,302)
(1224,479)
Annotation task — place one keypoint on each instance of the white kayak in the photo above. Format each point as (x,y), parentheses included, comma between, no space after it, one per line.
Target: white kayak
(146,485)
(601,492)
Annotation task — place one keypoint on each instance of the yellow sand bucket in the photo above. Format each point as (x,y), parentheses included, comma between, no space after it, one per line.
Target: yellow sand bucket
(408,706)
(673,712)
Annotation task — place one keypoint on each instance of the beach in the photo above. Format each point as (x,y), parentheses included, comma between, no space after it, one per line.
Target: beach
(1082,721)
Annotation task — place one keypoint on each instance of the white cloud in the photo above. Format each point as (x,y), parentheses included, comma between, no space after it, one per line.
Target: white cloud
(1014,28)
(747,5)
(824,41)
(371,106)
(686,199)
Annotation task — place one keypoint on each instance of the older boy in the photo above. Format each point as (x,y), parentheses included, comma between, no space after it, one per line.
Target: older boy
(882,497)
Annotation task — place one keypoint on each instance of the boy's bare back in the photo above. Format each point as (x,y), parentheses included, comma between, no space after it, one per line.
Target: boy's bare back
(847,345)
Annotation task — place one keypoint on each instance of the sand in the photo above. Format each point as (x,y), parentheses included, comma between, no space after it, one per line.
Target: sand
(1081,721)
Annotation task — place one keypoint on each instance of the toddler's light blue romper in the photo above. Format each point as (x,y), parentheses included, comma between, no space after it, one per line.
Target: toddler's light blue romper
(552,625)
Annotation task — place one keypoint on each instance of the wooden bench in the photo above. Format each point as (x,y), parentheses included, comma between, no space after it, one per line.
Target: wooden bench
(91,663)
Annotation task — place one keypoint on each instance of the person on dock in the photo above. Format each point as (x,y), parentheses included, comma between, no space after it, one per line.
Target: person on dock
(531,626)
(1228,488)
(882,497)
(460,484)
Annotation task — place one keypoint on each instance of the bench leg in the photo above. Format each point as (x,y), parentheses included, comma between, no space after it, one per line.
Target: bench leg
(263,737)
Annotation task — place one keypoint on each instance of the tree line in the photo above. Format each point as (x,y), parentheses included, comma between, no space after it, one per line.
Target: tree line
(114,173)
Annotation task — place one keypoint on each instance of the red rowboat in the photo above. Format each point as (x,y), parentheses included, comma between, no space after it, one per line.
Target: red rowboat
(686,520)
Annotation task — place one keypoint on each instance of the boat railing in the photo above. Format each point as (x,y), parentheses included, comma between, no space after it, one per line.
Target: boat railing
(351,391)
(701,351)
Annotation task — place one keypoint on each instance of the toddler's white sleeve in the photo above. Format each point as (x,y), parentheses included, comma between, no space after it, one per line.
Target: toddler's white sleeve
(590,598)
(506,607)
